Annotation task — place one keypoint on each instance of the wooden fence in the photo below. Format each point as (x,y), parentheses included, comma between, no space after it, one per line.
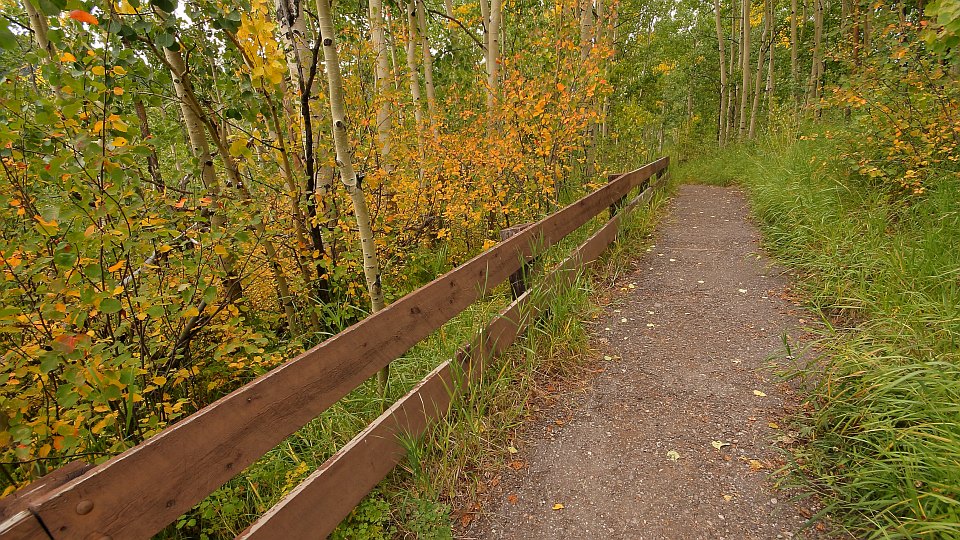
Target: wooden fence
(141,491)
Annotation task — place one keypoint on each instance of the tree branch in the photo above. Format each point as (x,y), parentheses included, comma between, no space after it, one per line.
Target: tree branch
(460,24)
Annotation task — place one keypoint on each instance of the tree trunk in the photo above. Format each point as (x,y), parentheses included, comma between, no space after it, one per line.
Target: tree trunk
(427,66)
(758,78)
(412,67)
(771,73)
(371,263)
(200,147)
(722,127)
(586,28)
(38,23)
(813,85)
(745,67)
(493,63)
(794,73)
(302,67)
(381,73)
(153,163)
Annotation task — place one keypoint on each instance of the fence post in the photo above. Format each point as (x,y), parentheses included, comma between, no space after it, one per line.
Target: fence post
(617,204)
(519,280)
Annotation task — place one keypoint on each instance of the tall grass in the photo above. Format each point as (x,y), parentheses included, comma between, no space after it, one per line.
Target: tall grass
(882,433)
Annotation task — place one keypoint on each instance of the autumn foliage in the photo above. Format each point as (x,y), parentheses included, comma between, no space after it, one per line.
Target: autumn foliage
(142,282)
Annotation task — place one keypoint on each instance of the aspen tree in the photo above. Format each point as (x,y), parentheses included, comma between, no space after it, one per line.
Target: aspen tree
(794,70)
(153,163)
(200,147)
(813,85)
(39,25)
(427,65)
(771,73)
(413,68)
(722,125)
(381,74)
(354,188)
(586,46)
(758,78)
(745,67)
(302,68)
(732,67)
(493,62)
(196,121)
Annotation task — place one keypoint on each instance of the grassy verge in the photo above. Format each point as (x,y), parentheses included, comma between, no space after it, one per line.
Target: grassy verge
(882,432)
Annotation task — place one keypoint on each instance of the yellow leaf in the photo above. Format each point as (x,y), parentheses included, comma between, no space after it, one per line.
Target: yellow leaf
(119,70)
(759,393)
(67,57)
(117,266)
(117,91)
(119,142)
(190,312)
(220,250)
(558,506)
(98,71)
(164,249)
(159,380)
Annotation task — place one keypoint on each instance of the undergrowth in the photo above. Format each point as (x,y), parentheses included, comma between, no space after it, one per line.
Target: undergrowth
(450,466)
(882,427)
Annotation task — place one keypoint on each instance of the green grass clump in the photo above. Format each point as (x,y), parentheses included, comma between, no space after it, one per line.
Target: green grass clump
(883,430)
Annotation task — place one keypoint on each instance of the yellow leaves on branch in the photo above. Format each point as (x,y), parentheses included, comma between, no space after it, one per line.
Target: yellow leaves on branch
(264,53)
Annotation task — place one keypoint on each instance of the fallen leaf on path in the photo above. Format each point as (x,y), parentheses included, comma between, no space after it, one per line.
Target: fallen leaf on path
(728,498)
(466,519)
(759,393)
(742,291)
(774,425)
(608,358)
(517,465)
(512,499)
(755,465)
(673,455)
(558,506)
(512,450)
(719,444)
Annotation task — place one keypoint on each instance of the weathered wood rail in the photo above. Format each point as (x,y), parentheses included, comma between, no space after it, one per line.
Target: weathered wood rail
(141,491)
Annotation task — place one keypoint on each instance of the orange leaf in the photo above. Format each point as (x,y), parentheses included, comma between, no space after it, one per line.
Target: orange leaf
(83,16)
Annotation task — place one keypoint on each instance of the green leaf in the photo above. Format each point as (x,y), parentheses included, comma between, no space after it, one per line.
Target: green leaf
(49,363)
(65,259)
(165,40)
(110,305)
(166,5)
(50,7)
(8,41)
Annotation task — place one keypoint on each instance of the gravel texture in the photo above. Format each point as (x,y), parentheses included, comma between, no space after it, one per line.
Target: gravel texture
(691,341)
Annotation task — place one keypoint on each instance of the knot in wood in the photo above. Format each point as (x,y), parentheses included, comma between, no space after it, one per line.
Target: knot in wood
(84,507)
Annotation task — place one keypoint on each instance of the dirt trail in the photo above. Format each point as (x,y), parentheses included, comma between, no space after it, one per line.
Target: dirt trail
(690,336)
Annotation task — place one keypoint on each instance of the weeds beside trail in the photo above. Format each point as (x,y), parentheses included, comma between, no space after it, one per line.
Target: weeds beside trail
(882,431)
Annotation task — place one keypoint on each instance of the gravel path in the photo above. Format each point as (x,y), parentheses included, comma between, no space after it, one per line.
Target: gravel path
(688,342)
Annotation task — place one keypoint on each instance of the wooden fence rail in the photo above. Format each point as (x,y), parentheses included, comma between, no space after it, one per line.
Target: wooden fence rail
(138,493)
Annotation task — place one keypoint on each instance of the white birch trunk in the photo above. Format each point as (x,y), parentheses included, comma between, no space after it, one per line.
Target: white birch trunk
(722,125)
(371,263)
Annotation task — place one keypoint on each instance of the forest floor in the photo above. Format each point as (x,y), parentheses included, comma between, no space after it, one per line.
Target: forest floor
(692,342)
